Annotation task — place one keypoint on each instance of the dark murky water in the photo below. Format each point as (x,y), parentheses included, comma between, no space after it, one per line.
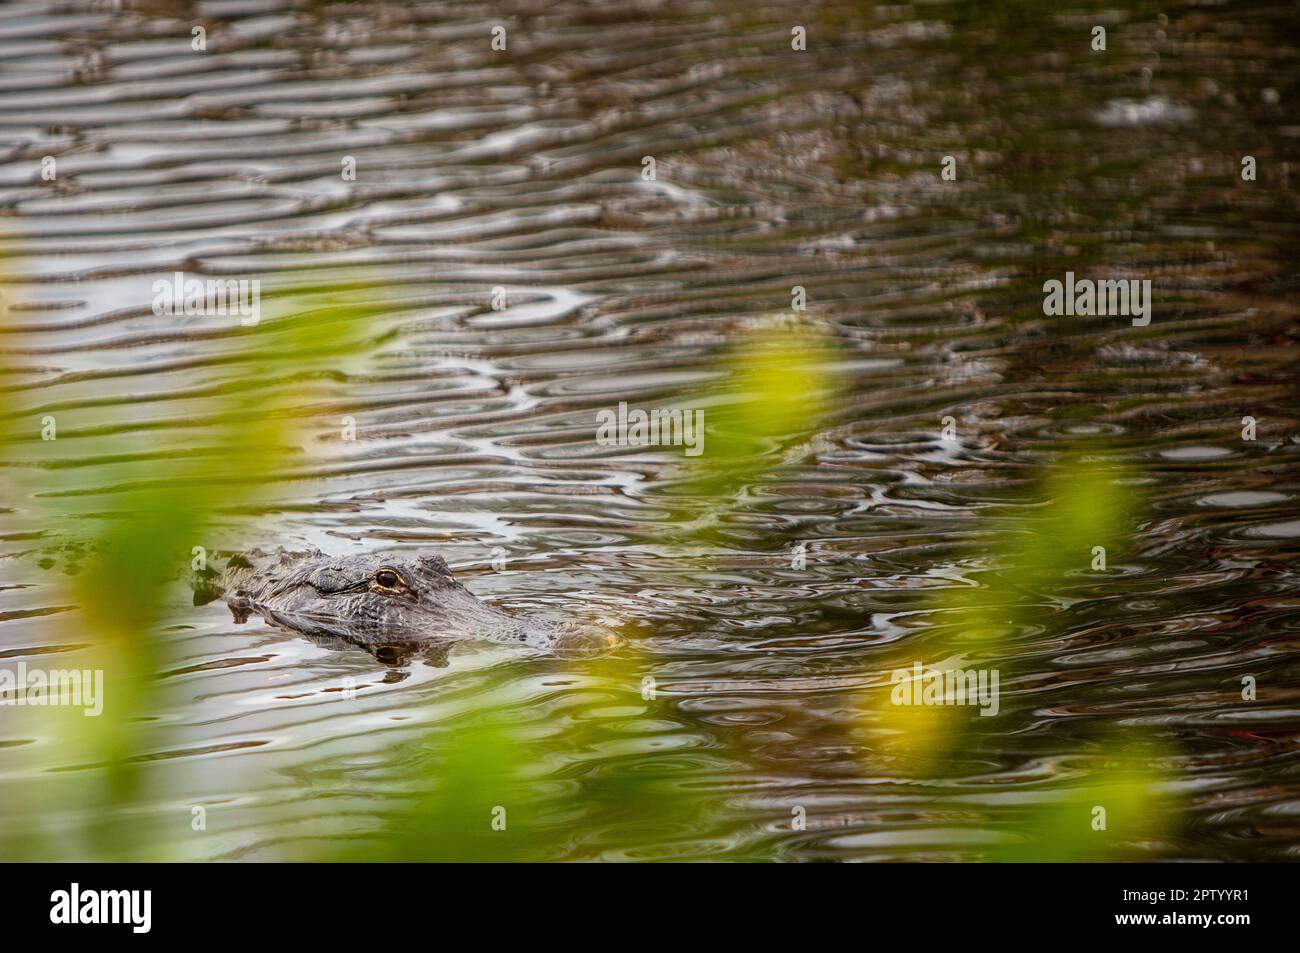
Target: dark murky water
(775,168)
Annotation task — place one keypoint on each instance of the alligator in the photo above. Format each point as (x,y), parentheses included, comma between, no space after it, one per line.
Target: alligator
(392,605)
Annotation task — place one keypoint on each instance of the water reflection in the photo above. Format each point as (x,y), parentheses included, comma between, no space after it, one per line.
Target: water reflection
(474,415)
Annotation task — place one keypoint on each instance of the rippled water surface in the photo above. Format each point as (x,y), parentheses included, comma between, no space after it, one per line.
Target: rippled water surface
(522,169)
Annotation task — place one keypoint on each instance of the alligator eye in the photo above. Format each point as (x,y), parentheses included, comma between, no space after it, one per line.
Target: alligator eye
(388,579)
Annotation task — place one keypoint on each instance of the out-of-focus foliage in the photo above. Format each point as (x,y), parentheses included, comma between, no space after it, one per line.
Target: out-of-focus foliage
(1085,505)
(141,540)
(475,796)
(1106,818)
(778,385)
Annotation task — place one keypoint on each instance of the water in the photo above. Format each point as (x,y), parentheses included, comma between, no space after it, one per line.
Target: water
(523,169)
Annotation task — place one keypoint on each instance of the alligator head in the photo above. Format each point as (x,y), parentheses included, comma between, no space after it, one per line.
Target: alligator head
(376,600)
